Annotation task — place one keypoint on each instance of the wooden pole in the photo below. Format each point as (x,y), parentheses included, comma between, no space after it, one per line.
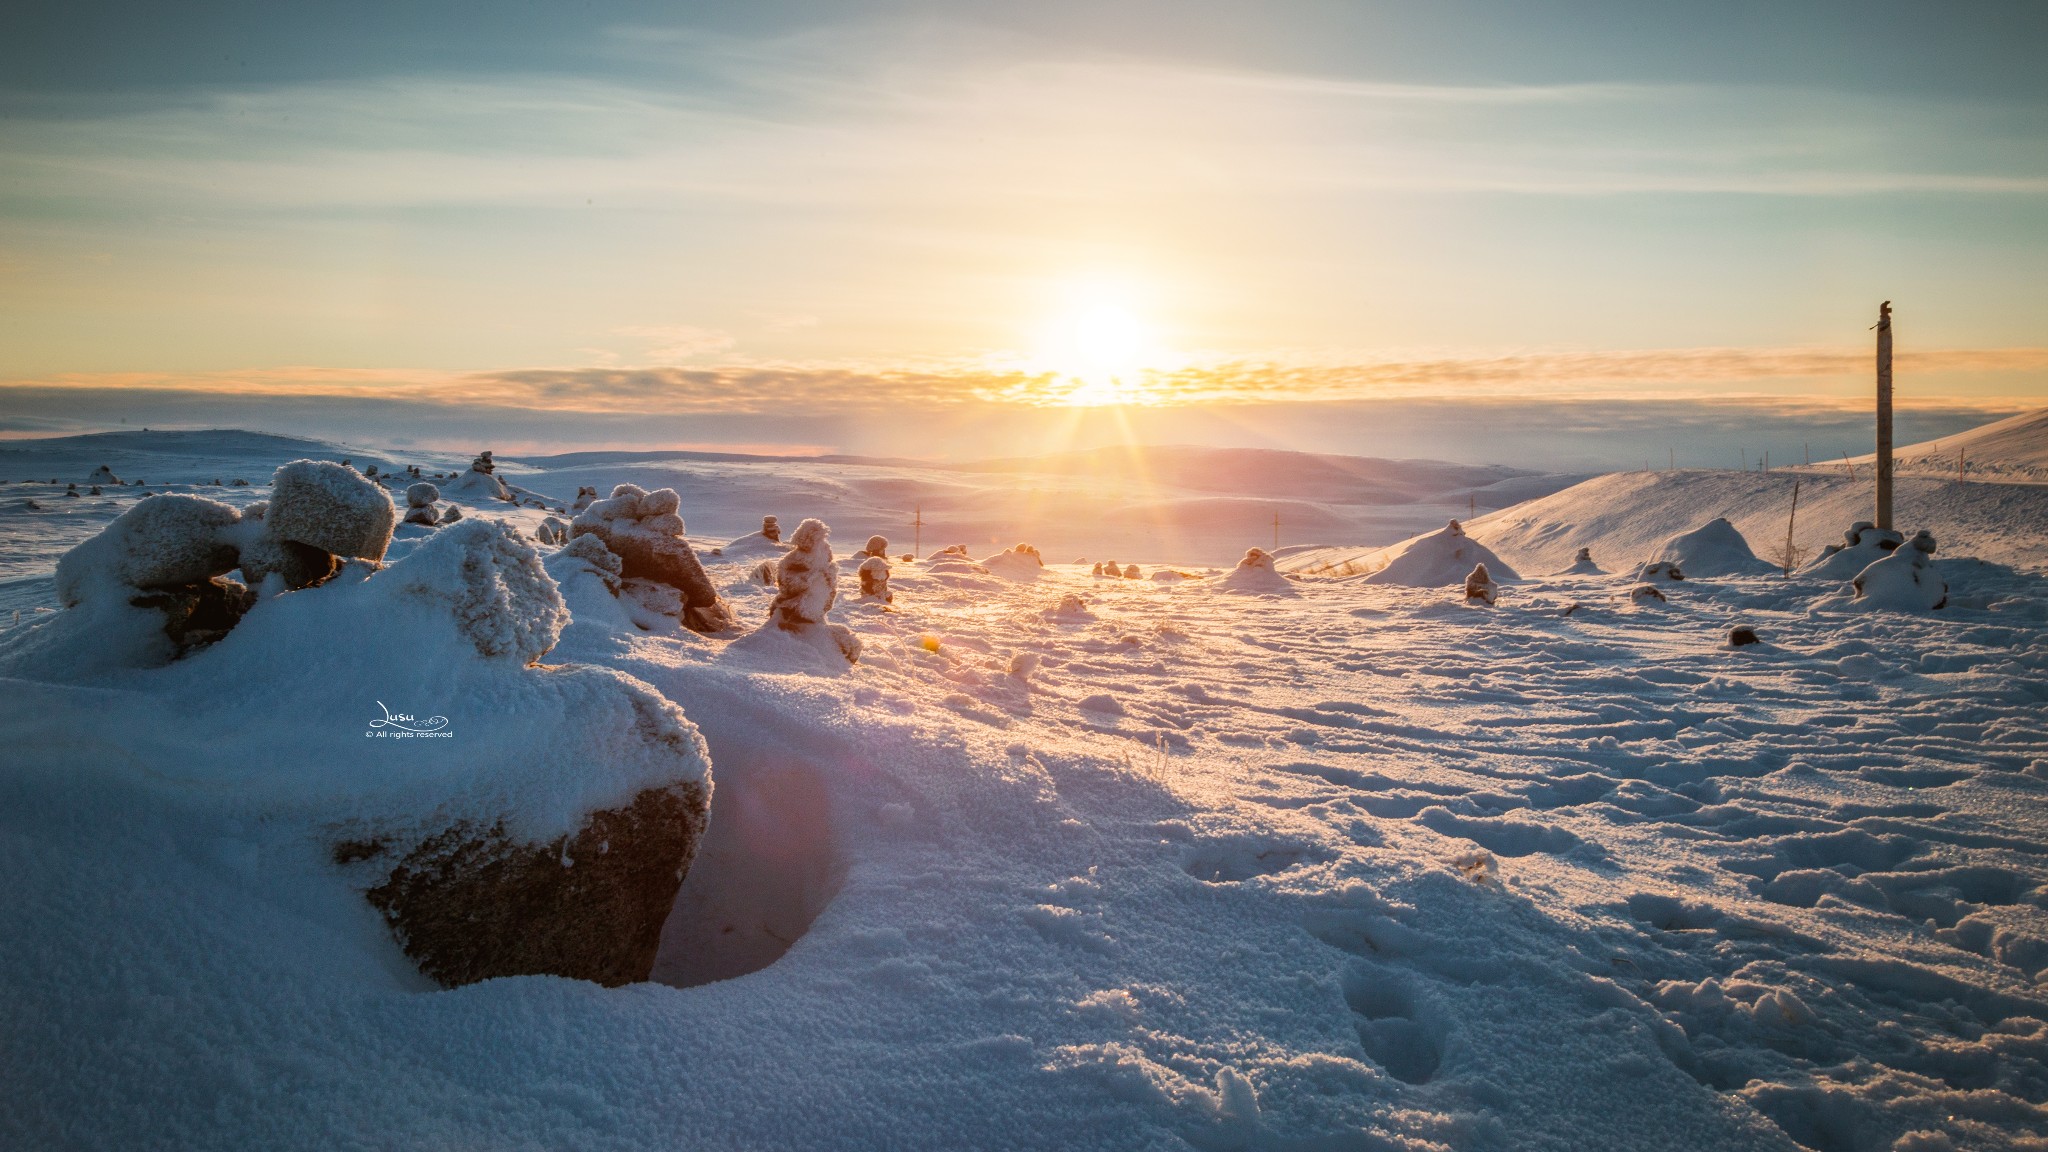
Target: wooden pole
(1884,416)
(1276,530)
(917,527)
(1791,519)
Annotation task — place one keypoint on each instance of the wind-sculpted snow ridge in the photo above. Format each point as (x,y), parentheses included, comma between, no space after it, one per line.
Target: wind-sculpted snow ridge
(1365,867)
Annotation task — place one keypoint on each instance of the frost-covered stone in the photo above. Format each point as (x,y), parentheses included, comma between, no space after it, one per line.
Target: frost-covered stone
(876,546)
(645,530)
(103,475)
(764,573)
(1660,570)
(771,529)
(551,531)
(451,513)
(1131,572)
(874,579)
(1479,586)
(1583,565)
(421,495)
(492,581)
(1646,594)
(585,495)
(160,542)
(1905,580)
(331,508)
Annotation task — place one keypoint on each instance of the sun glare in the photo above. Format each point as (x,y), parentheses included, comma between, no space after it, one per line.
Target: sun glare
(1100,347)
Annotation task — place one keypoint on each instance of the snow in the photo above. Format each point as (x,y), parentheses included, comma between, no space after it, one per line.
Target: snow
(1360,867)
(1432,560)
(1713,549)
(1906,579)
(1255,575)
(2014,449)
(331,507)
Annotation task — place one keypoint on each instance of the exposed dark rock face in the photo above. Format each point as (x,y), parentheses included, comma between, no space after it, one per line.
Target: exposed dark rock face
(469,903)
(198,613)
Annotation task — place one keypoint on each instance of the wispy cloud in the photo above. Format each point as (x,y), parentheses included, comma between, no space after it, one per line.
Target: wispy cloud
(911,389)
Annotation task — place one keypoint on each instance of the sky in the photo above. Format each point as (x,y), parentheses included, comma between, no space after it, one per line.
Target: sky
(1566,233)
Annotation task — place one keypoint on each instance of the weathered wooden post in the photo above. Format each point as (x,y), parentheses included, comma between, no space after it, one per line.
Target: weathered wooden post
(1276,530)
(1884,415)
(917,533)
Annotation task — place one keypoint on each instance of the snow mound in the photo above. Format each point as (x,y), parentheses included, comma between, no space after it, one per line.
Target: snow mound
(491,580)
(1905,581)
(1862,545)
(2015,449)
(475,487)
(1583,565)
(1256,575)
(1021,563)
(1715,548)
(1436,559)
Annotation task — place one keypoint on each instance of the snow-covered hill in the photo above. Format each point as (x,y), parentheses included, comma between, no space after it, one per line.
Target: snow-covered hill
(2013,449)
(1624,517)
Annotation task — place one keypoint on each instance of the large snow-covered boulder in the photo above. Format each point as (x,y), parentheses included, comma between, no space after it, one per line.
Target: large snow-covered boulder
(1905,580)
(645,530)
(1436,559)
(160,542)
(504,819)
(332,508)
(874,579)
(1715,548)
(1257,575)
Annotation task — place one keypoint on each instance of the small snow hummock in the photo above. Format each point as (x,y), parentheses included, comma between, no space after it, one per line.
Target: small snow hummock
(419,504)
(807,584)
(874,579)
(1661,570)
(1862,545)
(1905,580)
(1583,565)
(103,475)
(1480,588)
(1715,548)
(1443,557)
(767,542)
(1257,575)
(1022,563)
(645,530)
(1131,572)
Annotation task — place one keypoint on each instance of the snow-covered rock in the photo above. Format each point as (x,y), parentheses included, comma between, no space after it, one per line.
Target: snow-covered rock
(159,542)
(332,508)
(1479,586)
(1646,594)
(1713,549)
(1583,565)
(1862,545)
(491,581)
(645,530)
(103,475)
(1435,559)
(552,530)
(874,579)
(1905,580)
(475,486)
(1256,575)
(876,546)
(419,504)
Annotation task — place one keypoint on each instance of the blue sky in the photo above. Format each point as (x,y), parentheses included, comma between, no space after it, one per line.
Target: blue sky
(1584,204)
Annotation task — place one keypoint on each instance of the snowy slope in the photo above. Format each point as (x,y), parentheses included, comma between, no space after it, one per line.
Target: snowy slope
(2014,449)
(1363,867)
(1625,518)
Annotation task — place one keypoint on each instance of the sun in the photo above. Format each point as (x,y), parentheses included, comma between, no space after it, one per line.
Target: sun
(1098,345)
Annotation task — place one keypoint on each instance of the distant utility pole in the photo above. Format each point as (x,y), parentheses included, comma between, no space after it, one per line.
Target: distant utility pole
(1671,455)
(1884,415)
(917,530)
